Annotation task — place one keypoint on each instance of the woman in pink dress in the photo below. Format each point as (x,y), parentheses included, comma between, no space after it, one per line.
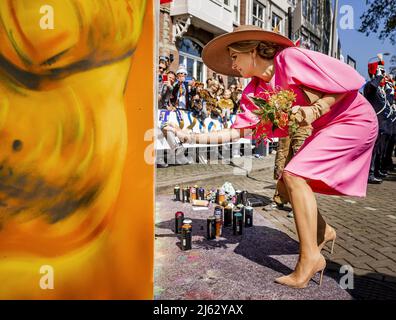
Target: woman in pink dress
(334,160)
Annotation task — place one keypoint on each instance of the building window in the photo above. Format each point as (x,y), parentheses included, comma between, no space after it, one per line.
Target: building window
(314,12)
(258,14)
(190,56)
(235,9)
(276,22)
(314,46)
(305,9)
(351,62)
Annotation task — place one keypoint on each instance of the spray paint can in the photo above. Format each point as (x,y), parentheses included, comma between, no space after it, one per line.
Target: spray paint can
(228,216)
(241,209)
(248,217)
(176,192)
(218,214)
(193,194)
(201,194)
(238,224)
(179,217)
(217,196)
(186,241)
(238,197)
(244,195)
(211,228)
(187,194)
(222,197)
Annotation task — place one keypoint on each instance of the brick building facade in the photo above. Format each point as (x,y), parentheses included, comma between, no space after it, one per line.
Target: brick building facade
(187,25)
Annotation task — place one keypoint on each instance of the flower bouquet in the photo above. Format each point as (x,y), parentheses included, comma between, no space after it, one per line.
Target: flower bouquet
(274,107)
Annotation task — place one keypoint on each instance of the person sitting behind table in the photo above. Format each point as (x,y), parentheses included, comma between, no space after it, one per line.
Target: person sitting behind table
(198,109)
(199,86)
(210,99)
(226,104)
(236,97)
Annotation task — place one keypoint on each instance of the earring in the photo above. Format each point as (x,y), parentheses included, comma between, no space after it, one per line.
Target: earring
(254,60)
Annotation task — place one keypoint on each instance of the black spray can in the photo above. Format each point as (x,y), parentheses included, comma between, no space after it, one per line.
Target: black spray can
(176,191)
(211,228)
(201,194)
(238,224)
(244,196)
(228,216)
(186,241)
(248,217)
(179,217)
(238,197)
(241,209)
(186,195)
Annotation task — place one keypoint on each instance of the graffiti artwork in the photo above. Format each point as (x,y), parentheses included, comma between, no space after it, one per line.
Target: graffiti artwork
(71,207)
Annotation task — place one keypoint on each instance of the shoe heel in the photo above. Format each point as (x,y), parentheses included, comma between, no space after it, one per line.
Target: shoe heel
(321,277)
(332,246)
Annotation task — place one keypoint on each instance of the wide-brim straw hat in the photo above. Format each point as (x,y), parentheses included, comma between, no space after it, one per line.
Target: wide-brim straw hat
(217,56)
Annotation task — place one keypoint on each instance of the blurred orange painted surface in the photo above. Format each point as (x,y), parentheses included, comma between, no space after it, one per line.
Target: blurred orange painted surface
(102,245)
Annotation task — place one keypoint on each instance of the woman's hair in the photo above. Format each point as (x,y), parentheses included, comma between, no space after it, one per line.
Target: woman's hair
(214,83)
(266,50)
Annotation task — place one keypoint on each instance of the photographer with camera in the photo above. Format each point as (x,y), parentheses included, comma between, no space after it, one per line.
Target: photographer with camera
(198,109)
(163,65)
(168,81)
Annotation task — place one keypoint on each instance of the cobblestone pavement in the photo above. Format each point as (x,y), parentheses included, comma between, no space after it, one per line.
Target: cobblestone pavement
(366,227)
(236,267)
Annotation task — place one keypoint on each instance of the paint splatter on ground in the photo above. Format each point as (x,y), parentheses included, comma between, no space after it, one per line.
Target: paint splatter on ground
(231,267)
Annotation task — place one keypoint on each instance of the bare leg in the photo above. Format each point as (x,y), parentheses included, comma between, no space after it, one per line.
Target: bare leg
(325,232)
(281,195)
(322,226)
(305,215)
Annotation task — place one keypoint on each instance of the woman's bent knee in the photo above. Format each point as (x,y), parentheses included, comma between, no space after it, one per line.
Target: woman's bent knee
(290,179)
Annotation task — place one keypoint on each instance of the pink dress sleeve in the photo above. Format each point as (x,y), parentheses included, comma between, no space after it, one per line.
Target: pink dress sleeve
(296,67)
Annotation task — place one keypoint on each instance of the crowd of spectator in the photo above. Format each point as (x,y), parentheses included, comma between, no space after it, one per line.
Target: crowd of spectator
(177,91)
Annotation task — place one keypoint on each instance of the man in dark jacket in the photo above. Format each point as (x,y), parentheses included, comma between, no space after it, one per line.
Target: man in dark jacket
(181,95)
(375,94)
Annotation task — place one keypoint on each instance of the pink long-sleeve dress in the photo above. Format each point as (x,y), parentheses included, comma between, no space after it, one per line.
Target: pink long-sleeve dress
(335,159)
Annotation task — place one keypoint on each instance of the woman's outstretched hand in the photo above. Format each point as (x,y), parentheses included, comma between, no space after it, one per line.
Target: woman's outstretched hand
(184,137)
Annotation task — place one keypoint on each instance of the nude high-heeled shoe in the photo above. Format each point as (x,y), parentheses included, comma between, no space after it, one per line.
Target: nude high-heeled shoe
(330,235)
(319,266)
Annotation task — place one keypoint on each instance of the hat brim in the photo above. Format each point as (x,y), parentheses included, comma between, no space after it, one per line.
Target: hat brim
(216,54)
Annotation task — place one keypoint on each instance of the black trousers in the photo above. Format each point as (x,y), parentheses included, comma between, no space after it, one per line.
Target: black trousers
(379,153)
(390,146)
